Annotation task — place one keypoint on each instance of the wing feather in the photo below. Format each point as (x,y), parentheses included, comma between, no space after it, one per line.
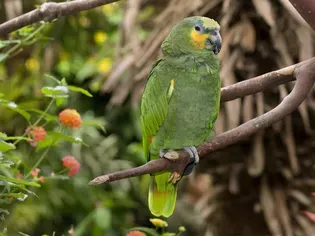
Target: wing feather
(154,104)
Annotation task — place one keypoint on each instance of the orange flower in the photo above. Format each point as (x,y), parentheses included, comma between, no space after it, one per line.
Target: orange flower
(70,118)
(36,133)
(35,172)
(41,179)
(135,233)
(72,164)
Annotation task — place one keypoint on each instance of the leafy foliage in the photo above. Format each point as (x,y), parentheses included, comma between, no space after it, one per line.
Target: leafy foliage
(35,189)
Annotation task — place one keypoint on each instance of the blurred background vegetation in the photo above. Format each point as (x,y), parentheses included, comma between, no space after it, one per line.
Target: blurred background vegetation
(109,52)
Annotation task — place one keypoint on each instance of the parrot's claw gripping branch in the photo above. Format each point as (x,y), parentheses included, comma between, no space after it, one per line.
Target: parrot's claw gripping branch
(303,72)
(193,153)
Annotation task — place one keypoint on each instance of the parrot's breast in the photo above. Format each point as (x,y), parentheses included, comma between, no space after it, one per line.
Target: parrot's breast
(193,107)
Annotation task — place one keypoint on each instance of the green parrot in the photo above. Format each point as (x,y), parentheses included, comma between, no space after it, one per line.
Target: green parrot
(180,103)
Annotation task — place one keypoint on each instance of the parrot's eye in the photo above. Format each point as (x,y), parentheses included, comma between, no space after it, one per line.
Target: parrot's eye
(197,28)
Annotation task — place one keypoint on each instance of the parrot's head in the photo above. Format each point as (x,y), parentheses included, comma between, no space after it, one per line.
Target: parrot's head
(193,35)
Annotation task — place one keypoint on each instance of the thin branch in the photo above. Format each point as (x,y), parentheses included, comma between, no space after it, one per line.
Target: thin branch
(259,83)
(306,8)
(48,12)
(303,72)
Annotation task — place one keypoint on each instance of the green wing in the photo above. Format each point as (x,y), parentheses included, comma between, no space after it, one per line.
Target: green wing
(154,104)
(154,108)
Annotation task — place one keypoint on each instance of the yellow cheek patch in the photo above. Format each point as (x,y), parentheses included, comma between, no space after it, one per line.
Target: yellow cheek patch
(198,40)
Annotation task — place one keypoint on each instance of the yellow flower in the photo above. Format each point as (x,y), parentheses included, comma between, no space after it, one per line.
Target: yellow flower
(159,223)
(32,64)
(109,9)
(100,37)
(104,65)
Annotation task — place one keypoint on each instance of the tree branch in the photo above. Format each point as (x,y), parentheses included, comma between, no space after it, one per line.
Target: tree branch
(306,8)
(303,72)
(48,12)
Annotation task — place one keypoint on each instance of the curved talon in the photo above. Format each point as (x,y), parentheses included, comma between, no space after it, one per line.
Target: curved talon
(174,178)
(193,155)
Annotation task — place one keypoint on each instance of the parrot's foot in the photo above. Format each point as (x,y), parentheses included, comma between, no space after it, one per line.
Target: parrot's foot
(193,153)
(174,178)
(170,155)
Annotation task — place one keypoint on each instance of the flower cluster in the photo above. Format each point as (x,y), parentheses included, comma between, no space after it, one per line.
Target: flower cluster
(135,233)
(34,173)
(71,164)
(36,134)
(70,118)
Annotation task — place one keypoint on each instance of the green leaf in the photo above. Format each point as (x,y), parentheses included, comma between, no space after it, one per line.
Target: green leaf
(19,196)
(1,95)
(148,231)
(64,82)
(13,106)
(4,146)
(6,163)
(19,181)
(18,138)
(60,101)
(48,141)
(4,43)
(3,56)
(102,217)
(80,90)
(52,77)
(59,91)
(22,187)
(3,135)
(47,116)
(25,114)
(94,124)
(59,136)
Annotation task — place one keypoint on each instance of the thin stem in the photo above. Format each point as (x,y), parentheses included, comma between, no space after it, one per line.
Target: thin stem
(39,161)
(43,155)
(15,47)
(38,120)
(45,111)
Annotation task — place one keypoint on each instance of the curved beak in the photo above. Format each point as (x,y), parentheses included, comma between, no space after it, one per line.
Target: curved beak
(216,41)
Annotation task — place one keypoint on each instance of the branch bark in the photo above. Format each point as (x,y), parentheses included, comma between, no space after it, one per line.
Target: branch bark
(303,72)
(306,8)
(48,12)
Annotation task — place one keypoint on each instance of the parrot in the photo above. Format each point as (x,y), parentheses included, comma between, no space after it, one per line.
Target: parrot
(180,103)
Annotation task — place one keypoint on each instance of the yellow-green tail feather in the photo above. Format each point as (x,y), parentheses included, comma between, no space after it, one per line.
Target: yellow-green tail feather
(162,195)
